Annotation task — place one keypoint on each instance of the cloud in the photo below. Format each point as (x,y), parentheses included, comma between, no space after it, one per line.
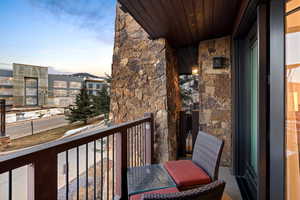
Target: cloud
(94,15)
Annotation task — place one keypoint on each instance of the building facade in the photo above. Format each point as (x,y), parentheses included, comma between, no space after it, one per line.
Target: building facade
(63,89)
(32,86)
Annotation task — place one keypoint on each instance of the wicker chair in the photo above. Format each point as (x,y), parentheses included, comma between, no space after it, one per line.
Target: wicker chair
(207,154)
(212,191)
(204,166)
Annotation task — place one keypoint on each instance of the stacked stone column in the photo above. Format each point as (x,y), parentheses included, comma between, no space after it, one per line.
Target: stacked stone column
(145,79)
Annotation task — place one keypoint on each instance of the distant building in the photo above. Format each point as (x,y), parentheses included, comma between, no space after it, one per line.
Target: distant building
(62,89)
(6,86)
(94,85)
(30,85)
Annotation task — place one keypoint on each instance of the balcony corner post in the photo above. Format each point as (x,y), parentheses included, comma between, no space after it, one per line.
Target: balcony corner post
(149,138)
(121,164)
(45,176)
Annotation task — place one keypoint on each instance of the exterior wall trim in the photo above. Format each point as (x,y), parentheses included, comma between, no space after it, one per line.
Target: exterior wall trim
(277,100)
(262,34)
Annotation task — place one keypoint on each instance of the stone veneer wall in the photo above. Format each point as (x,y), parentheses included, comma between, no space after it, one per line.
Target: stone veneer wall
(215,93)
(145,79)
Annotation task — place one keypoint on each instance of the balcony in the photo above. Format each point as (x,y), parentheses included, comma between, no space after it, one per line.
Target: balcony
(89,166)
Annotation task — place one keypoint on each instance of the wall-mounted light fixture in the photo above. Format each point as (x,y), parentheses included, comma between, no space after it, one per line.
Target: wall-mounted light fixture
(219,62)
(195,70)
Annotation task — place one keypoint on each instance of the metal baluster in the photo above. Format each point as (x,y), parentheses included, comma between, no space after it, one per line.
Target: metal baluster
(87,171)
(10,185)
(107,166)
(138,145)
(95,165)
(101,168)
(140,142)
(113,168)
(67,175)
(132,140)
(143,144)
(77,151)
(128,148)
(131,135)
(135,146)
(145,149)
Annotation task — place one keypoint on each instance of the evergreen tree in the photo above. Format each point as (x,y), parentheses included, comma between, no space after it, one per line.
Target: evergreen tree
(101,102)
(188,87)
(108,79)
(83,109)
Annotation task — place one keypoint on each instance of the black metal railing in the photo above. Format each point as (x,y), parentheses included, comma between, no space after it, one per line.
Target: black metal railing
(92,165)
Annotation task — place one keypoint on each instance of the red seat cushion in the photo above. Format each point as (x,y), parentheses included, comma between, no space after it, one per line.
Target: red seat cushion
(162,191)
(186,173)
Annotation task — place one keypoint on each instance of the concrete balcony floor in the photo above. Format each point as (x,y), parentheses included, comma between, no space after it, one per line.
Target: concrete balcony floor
(232,191)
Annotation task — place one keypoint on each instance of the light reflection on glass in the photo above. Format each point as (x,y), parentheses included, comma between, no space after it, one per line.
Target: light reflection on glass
(292,101)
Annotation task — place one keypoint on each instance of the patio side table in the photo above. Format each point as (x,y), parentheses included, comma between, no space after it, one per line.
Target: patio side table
(148,178)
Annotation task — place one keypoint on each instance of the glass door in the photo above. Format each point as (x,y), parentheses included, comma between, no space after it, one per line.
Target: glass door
(254,105)
(292,96)
(248,111)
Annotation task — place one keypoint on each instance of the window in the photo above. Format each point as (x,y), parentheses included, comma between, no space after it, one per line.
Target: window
(90,85)
(74,92)
(31,101)
(60,84)
(292,68)
(6,81)
(6,91)
(75,85)
(31,91)
(98,86)
(60,93)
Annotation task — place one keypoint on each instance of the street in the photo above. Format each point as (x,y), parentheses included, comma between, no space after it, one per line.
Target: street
(21,129)
(20,175)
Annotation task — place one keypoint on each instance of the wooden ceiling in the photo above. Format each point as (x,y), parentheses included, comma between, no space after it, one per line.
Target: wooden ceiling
(184,22)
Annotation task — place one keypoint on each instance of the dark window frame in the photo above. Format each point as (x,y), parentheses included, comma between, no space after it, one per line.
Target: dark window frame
(277,100)
(257,11)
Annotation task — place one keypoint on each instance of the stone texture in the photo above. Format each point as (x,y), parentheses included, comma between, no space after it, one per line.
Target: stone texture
(215,93)
(145,79)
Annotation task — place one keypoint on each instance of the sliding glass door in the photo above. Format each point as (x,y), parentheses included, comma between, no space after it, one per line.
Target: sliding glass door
(248,112)
(292,69)
(253,54)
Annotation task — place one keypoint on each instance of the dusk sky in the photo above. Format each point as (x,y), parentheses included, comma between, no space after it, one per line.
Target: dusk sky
(69,35)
